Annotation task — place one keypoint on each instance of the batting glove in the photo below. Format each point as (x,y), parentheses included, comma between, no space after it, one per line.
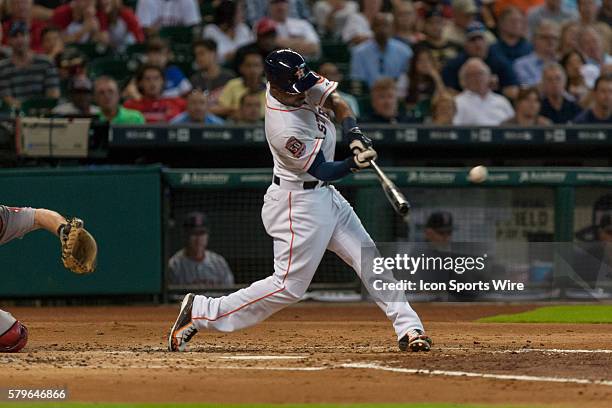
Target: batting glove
(362,159)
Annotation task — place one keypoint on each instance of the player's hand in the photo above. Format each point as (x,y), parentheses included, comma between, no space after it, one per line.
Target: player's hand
(363,159)
(356,135)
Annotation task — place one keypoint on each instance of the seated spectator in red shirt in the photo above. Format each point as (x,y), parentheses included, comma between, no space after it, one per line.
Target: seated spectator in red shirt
(123,26)
(21,10)
(154,107)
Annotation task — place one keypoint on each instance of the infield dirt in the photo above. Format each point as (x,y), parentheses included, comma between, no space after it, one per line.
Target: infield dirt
(308,354)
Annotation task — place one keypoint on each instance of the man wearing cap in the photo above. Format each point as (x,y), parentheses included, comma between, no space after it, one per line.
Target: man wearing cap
(439,227)
(195,264)
(80,93)
(26,75)
(264,44)
(441,48)
(464,13)
(504,80)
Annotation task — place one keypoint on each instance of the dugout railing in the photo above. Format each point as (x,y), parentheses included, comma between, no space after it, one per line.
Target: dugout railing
(532,205)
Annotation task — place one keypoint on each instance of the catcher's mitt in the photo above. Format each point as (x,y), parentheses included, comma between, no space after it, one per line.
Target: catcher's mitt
(79,248)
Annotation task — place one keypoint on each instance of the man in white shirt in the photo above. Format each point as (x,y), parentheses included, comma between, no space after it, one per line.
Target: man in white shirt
(293,33)
(477,104)
(155,14)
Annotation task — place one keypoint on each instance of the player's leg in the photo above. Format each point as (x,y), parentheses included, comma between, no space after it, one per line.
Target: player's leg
(13,334)
(300,224)
(347,240)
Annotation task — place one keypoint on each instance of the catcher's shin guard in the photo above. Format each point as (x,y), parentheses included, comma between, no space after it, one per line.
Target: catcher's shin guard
(183,329)
(415,340)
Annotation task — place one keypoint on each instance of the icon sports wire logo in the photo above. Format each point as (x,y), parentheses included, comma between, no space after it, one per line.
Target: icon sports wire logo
(423,263)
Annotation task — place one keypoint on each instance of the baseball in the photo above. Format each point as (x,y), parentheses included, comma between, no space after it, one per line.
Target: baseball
(478,174)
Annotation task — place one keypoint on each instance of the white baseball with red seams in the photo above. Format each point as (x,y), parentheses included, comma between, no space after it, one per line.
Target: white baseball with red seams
(302,223)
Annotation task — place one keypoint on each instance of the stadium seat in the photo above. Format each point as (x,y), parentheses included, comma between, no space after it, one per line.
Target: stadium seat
(115,67)
(178,34)
(38,106)
(91,50)
(336,51)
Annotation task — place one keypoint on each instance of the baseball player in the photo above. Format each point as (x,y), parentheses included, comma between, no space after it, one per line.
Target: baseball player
(302,212)
(79,252)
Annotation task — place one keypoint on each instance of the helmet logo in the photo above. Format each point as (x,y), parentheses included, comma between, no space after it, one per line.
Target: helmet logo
(300,72)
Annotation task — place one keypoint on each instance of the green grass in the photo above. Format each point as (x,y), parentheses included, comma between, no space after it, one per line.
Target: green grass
(557,314)
(109,405)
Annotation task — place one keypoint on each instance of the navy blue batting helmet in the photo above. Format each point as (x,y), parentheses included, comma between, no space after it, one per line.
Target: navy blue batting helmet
(287,70)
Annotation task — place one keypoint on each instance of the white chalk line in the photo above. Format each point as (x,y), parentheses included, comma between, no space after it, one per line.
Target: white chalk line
(479,375)
(527,350)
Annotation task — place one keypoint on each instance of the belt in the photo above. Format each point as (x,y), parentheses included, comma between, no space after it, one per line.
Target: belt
(305,185)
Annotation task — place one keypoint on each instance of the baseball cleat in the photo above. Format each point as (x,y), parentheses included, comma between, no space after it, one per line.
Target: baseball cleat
(183,329)
(415,340)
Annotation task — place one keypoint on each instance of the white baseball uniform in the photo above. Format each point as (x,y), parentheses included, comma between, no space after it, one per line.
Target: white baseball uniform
(302,222)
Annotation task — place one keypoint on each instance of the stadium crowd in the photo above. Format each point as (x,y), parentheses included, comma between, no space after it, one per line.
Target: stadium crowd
(464,62)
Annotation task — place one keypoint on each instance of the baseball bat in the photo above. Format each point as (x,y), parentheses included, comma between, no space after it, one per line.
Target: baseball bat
(395,197)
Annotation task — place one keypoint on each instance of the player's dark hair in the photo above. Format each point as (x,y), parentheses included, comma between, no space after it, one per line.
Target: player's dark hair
(225,13)
(146,67)
(207,43)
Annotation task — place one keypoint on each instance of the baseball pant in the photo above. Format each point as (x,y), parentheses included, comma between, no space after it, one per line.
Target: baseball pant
(15,222)
(303,224)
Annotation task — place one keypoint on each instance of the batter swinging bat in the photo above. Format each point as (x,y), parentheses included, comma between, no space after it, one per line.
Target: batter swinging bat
(395,197)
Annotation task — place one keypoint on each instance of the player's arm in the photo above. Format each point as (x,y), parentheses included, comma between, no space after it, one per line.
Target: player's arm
(358,142)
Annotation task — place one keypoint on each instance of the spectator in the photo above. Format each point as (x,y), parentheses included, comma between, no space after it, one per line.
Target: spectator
(21,10)
(384,103)
(331,16)
(464,14)
(228,30)
(528,69)
(557,104)
(523,5)
(605,12)
(121,22)
(527,109)
(424,79)
(357,28)
(52,44)
(569,37)
(512,32)
(158,53)
(443,109)
(79,91)
(381,56)
(550,10)
(250,80)
(477,105)
(156,14)
(265,42)
(210,76)
(601,111)
(195,264)
(258,9)
(594,52)
(293,33)
(249,112)
(588,10)
(573,64)
(476,47)
(153,105)
(404,27)
(442,49)
(70,63)
(197,110)
(79,21)
(106,96)
(330,71)
(439,227)
(25,75)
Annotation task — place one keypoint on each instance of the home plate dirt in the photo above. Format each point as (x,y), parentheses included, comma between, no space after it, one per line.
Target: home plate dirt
(314,353)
